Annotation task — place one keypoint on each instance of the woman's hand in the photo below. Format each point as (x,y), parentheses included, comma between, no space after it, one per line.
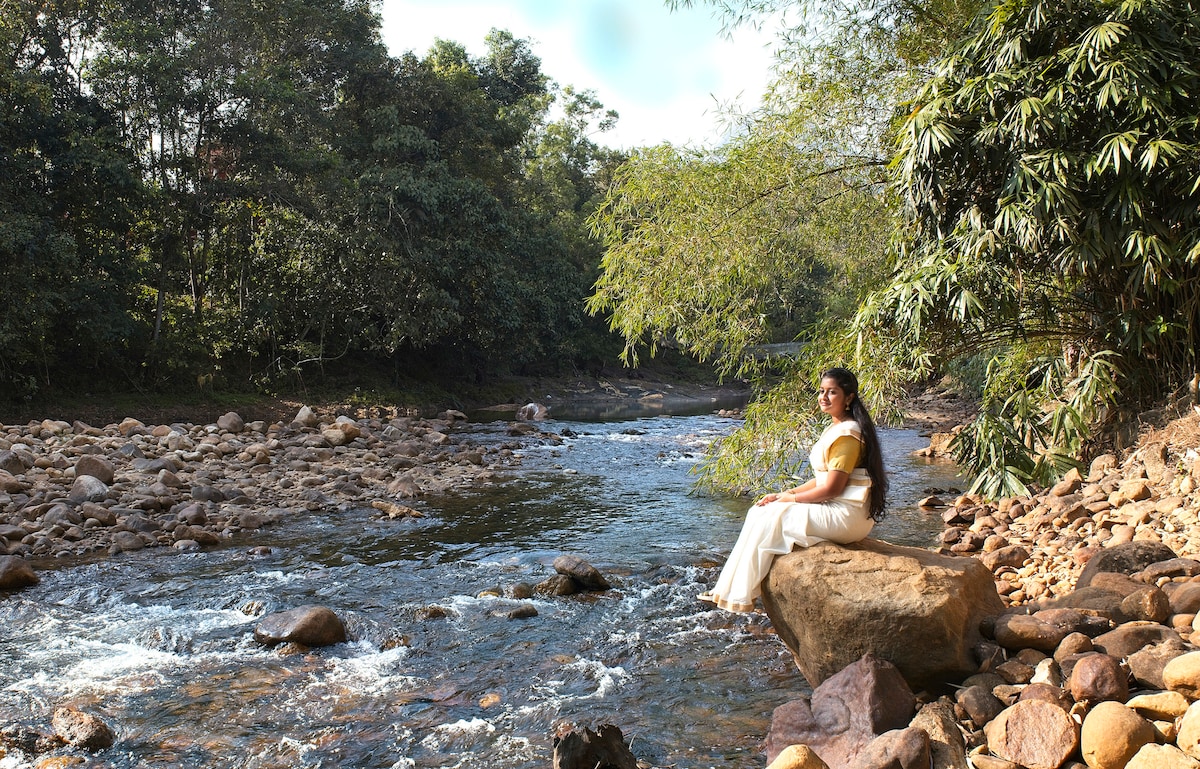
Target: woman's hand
(809,491)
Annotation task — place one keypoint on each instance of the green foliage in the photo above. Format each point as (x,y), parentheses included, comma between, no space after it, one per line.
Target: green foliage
(717,251)
(67,201)
(1053,216)
(777,234)
(239,193)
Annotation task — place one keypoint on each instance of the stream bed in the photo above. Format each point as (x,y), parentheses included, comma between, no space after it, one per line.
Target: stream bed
(159,643)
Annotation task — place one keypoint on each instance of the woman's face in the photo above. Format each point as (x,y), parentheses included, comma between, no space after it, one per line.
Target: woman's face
(832,398)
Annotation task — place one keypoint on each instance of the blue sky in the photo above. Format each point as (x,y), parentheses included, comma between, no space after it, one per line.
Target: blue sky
(664,72)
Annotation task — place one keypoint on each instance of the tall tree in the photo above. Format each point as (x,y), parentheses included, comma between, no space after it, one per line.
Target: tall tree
(226,106)
(777,233)
(68,201)
(1049,175)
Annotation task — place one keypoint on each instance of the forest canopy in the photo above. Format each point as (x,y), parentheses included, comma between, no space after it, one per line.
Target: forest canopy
(194,190)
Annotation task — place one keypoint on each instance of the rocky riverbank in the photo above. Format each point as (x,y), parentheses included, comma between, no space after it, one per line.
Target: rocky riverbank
(73,489)
(1093,662)
(1102,579)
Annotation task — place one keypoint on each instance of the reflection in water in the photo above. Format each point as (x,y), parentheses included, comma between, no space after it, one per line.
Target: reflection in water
(159,643)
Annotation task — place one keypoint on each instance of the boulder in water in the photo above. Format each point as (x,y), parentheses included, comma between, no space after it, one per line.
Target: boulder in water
(308,625)
(587,576)
(15,573)
(82,730)
(532,412)
(585,749)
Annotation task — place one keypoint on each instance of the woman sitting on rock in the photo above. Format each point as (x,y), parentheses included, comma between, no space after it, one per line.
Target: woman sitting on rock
(841,504)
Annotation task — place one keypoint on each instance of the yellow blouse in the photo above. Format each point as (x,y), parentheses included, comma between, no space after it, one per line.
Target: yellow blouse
(844,454)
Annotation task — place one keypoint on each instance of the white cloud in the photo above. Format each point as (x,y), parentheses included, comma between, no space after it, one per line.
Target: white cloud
(665,73)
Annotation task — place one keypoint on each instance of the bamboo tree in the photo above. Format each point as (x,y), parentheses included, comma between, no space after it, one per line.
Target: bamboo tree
(1048,170)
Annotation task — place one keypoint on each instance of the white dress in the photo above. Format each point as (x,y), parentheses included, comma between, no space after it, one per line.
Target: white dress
(777,527)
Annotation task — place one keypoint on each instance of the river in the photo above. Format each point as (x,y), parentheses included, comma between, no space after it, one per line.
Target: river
(159,643)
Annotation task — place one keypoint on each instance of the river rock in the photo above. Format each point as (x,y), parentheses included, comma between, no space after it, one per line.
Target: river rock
(1159,706)
(979,703)
(200,536)
(920,610)
(1149,604)
(1012,556)
(1161,757)
(15,573)
(87,488)
(306,417)
(1146,665)
(1132,636)
(1182,674)
(1024,631)
(557,585)
(798,757)
(1112,734)
(1188,738)
(10,484)
(308,625)
(231,422)
(97,467)
(1047,693)
(81,730)
(335,437)
(523,611)
(1098,677)
(898,749)
(1034,734)
(11,463)
(1185,598)
(845,713)
(946,741)
(126,542)
(587,576)
(585,749)
(1128,558)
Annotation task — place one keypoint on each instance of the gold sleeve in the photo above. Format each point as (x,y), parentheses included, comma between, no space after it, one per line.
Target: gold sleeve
(843,454)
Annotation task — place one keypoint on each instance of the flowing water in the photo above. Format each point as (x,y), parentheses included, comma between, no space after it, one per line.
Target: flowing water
(159,643)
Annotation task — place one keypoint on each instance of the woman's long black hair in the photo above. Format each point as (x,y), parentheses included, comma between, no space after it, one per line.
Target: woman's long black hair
(873,454)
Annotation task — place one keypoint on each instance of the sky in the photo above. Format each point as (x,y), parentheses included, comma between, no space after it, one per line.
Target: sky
(666,73)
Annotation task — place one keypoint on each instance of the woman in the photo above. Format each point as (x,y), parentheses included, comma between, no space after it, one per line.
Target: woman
(841,504)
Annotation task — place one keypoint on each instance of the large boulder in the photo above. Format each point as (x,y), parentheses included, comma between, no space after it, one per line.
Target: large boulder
(306,625)
(1112,734)
(231,422)
(11,463)
(87,488)
(846,713)
(587,576)
(917,609)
